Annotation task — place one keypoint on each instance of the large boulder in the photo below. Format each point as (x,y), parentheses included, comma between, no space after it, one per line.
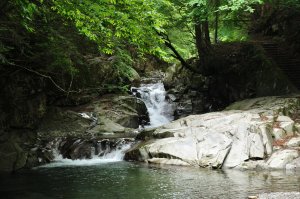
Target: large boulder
(61,123)
(14,148)
(110,116)
(232,138)
(127,111)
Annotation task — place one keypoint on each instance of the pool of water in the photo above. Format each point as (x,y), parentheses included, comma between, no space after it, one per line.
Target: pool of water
(130,180)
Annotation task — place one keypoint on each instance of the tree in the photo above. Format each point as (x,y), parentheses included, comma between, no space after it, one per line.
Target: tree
(199,16)
(115,24)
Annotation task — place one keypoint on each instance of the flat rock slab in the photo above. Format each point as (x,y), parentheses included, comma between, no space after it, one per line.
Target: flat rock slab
(242,136)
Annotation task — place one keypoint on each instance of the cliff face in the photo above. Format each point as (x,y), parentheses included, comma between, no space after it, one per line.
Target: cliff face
(22,105)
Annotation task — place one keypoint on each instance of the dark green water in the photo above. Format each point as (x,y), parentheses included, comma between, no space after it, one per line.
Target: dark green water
(129,180)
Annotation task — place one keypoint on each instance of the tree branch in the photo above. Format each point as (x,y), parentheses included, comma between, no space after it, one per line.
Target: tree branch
(47,77)
(176,54)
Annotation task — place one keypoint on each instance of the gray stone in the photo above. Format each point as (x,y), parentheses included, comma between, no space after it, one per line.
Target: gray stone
(293,165)
(279,195)
(278,133)
(294,142)
(281,158)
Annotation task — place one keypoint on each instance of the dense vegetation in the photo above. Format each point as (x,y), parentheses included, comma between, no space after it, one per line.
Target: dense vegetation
(75,44)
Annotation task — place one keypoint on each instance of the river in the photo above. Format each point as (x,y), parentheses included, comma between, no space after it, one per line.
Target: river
(110,180)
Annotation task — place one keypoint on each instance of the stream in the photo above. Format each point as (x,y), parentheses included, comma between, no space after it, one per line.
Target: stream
(109,177)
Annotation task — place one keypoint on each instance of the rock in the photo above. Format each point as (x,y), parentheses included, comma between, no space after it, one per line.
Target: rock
(297,127)
(127,111)
(12,156)
(293,165)
(208,139)
(107,117)
(251,164)
(15,147)
(232,138)
(23,102)
(267,138)
(197,81)
(73,148)
(174,148)
(293,142)
(288,127)
(105,125)
(278,133)
(213,149)
(167,161)
(79,128)
(282,118)
(280,105)
(279,195)
(281,158)
(247,143)
(198,105)
(62,123)
(171,97)
(183,109)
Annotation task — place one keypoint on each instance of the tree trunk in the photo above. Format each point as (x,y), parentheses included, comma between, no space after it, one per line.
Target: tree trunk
(199,39)
(206,34)
(217,21)
(203,43)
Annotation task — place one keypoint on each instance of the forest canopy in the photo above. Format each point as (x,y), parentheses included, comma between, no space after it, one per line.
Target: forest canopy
(51,37)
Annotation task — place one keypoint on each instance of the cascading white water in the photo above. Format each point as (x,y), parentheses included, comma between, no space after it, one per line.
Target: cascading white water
(108,156)
(160,113)
(159,109)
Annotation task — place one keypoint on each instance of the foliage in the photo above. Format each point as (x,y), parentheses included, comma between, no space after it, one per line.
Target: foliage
(112,24)
(97,42)
(229,33)
(240,5)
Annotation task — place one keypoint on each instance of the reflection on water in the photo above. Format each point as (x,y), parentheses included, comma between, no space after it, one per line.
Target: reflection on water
(128,180)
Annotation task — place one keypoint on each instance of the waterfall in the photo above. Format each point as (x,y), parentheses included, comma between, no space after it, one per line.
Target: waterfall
(80,152)
(154,96)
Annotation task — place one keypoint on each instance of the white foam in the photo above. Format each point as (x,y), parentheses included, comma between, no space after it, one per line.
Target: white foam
(160,111)
(114,156)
